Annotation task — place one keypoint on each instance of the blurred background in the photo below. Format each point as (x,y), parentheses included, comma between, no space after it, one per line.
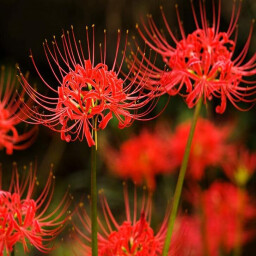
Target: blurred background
(25,24)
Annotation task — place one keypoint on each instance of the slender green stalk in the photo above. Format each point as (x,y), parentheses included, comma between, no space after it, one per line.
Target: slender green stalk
(180,181)
(94,194)
(13,251)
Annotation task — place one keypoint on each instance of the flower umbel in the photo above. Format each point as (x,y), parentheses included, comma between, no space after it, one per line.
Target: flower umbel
(240,164)
(202,63)
(142,157)
(206,151)
(11,114)
(25,220)
(88,94)
(133,237)
(223,206)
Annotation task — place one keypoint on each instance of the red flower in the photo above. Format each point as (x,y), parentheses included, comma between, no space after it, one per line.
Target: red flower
(133,237)
(11,114)
(202,63)
(208,148)
(141,157)
(240,164)
(23,219)
(88,94)
(225,211)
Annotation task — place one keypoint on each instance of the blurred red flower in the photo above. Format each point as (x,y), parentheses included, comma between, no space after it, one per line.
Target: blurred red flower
(24,219)
(240,164)
(202,63)
(209,146)
(223,212)
(141,157)
(88,94)
(11,114)
(133,237)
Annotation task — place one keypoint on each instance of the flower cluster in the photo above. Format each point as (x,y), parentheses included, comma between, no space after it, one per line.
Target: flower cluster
(240,164)
(149,154)
(134,236)
(202,64)
(209,146)
(142,157)
(88,94)
(219,223)
(11,114)
(24,219)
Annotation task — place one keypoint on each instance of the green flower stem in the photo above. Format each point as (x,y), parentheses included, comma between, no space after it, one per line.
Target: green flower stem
(13,251)
(181,177)
(94,194)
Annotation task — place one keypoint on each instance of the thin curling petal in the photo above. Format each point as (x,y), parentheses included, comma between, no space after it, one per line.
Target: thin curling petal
(26,220)
(202,63)
(88,94)
(11,115)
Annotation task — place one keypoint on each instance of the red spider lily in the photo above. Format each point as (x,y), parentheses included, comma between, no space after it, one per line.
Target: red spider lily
(133,237)
(240,165)
(141,157)
(208,148)
(224,214)
(24,219)
(202,63)
(11,115)
(88,94)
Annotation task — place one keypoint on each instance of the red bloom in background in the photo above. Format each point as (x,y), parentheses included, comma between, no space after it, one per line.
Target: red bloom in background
(209,146)
(24,219)
(88,94)
(133,237)
(202,63)
(11,114)
(240,164)
(222,219)
(141,158)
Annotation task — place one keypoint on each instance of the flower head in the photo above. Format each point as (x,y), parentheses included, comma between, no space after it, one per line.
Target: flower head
(88,94)
(141,158)
(11,114)
(25,220)
(226,211)
(240,164)
(202,63)
(133,237)
(208,148)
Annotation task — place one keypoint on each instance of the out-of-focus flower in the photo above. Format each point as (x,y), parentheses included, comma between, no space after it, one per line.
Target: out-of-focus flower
(87,94)
(220,223)
(202,64)
(239,165)
(133,237)
(141,158)
(26,220)
(209,146)
(11,114)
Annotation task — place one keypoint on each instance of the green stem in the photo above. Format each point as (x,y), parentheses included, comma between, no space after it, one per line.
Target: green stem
(13,251)
(94,194)
(180,182)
